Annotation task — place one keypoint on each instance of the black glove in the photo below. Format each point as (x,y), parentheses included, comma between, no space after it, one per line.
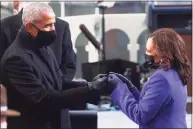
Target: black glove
(113,81)
(99,82)
(124,80)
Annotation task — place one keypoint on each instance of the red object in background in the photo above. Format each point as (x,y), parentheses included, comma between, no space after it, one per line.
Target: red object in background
(138,69)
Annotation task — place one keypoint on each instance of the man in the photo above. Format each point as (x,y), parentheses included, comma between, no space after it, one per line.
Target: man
(62,46)
(33,78)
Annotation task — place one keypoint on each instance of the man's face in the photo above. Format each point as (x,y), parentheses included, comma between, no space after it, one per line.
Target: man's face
(46,22)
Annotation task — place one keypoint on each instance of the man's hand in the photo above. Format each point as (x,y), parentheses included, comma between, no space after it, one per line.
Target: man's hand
(124,80)
(99,82)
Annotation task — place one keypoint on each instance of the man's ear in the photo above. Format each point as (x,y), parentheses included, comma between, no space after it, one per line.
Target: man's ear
(27,26)
(15,11)
(29,29)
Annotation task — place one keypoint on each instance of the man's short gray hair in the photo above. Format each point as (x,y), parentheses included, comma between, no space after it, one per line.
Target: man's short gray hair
(33,10)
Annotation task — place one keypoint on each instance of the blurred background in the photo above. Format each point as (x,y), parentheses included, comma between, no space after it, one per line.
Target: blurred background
(121,29)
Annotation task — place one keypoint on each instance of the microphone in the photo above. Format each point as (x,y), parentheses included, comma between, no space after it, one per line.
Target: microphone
(90,37)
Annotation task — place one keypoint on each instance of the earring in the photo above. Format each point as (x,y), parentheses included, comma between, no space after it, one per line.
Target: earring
(161,61)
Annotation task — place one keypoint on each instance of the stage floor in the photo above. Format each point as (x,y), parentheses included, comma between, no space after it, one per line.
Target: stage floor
(116,119)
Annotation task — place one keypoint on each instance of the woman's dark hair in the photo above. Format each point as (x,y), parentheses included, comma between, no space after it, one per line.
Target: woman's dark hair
(171,48)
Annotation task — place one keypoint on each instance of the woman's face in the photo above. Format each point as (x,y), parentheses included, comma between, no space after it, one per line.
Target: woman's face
(151,50)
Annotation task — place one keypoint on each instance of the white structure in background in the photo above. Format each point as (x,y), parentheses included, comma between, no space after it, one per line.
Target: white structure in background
(132,24)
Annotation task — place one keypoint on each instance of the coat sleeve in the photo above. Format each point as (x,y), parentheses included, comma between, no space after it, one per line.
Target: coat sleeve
(23,79)
(68,84)
(94,96)
(68,63)
(142,112)
(135,92)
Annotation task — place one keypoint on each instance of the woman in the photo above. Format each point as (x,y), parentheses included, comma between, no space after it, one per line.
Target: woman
(162,102)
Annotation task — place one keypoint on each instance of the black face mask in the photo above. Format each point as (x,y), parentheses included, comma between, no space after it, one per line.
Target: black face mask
(149,60)
(45,38)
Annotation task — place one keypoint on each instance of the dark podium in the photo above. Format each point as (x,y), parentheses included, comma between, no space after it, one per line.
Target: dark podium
(80,119)
(90,70)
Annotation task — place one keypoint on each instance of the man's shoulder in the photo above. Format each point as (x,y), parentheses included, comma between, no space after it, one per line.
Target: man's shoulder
(12,51)
(61,22)
(9,20)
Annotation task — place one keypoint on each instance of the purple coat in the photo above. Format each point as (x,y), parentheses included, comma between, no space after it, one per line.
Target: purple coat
(161,104)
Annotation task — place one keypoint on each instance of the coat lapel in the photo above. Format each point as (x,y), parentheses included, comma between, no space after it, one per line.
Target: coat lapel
(42,67)
(55,68)
(49,60)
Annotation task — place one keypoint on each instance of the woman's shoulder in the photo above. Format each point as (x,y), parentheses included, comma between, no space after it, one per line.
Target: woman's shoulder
(164,72)
(169,74)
